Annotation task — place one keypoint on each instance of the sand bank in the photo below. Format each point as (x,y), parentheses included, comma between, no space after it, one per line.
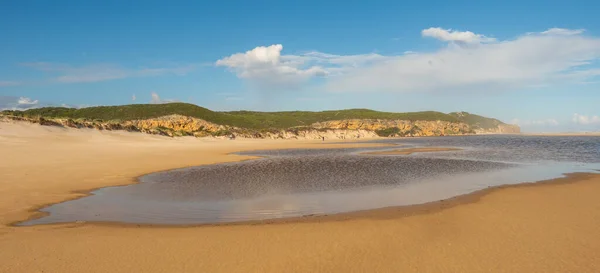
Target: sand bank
(550,227)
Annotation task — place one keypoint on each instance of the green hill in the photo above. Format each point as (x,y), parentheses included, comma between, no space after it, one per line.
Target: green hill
(243,119)
(476,121)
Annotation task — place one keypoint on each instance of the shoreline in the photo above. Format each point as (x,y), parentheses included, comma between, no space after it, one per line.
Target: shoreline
(397,211)
(405,210)
(230,155)
(391,212)
(546,226)
(36,213)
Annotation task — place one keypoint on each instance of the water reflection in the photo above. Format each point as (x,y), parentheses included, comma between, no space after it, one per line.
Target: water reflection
(292,183)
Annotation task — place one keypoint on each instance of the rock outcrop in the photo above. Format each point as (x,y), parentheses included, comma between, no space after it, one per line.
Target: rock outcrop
(398,127)
(177,123)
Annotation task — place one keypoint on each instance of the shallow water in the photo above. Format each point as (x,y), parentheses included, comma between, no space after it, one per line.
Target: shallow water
(291,183)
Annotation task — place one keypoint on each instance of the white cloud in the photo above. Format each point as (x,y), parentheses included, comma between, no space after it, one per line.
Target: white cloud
(266,65)
(449,35)
(27,101)
(479,64)
(133,97)
(541,122)
(585,120)
(529,60)
(157,100)
(563,31)
(9,83)
(103,72)
(17,103)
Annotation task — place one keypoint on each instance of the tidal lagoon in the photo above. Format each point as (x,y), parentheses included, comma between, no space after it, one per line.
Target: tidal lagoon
(301,182)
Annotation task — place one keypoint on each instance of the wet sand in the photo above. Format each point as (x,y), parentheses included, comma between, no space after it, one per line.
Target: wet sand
(409,151)
(546,227)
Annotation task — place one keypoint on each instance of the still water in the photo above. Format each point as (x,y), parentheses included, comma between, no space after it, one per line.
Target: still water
(291,183)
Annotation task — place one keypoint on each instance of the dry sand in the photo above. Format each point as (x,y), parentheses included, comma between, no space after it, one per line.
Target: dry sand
(550,227)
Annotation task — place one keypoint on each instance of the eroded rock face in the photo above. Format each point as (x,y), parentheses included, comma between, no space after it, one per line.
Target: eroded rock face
(314,134)
(405,127)
(177,125)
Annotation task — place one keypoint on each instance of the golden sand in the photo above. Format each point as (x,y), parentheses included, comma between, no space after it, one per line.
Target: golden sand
(548,227)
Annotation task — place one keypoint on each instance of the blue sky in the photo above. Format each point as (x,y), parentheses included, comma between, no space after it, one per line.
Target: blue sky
(535,63)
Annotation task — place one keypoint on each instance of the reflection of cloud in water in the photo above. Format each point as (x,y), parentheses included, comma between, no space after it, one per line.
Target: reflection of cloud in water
(273,206)
(303,182)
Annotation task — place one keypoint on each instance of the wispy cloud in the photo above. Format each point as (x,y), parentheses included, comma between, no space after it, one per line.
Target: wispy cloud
(156,99)
(471,62)
(540,122)
(9,83)
(65,73)
(563,31)
(233,98)
(461,37)
(585,120)
(534,59)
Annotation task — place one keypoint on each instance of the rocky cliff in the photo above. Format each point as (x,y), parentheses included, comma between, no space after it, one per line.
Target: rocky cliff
(398,127)
(178,125)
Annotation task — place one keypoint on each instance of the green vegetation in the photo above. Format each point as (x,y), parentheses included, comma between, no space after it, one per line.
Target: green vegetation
(476,121)
(242,119)
(393,131)
(222,133)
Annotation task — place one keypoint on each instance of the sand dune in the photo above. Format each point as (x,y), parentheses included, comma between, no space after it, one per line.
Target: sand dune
(550,227)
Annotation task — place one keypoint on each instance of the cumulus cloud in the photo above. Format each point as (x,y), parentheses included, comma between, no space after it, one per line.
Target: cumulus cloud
(265,64)
(103,72)
(133,97)
(449,35)
(483,64)
(156,99)
(17,103)
(585,120)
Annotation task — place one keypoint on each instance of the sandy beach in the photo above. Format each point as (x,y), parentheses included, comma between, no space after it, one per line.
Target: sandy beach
(550,226)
